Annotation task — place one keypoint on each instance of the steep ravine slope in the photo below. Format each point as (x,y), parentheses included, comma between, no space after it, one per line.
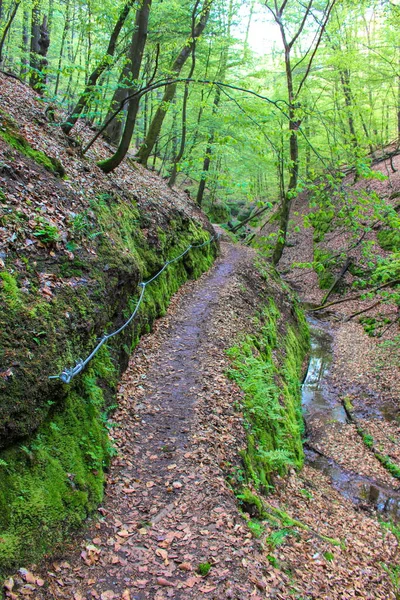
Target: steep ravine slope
(74,245)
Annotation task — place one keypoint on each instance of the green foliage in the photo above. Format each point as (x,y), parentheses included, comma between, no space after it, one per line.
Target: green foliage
(9,291)
(388,464)
(329,556)
(368,440)
(389,239)
(45,232)
(321,221)
(203,569)
(324,264)
(277,538)
(393,572)
(256,528)
(271,407)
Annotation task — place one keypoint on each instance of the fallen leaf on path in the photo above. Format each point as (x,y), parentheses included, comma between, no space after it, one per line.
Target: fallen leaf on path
(164,582)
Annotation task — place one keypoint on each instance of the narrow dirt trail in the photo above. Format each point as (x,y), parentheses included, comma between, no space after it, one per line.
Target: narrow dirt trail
(167,506)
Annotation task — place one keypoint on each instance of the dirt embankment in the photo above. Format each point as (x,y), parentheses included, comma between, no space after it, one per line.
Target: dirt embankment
(74,244)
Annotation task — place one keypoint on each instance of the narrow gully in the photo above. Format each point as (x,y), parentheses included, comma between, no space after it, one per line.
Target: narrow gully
(321,405)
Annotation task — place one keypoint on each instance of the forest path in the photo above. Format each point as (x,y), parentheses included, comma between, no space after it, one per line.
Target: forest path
(167,507)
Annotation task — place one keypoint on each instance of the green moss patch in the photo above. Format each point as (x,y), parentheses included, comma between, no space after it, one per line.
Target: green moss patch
(49,484)
(9,133)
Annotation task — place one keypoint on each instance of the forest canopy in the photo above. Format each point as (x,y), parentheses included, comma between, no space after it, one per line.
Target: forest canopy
(242,103)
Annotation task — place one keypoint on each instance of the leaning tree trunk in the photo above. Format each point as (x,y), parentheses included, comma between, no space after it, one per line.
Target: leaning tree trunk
(101,67)
(154,130)
(137,49)
(113,131)
(7,28)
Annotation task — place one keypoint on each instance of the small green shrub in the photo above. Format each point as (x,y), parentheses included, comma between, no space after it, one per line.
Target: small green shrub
(204,568)
(256,528)
(45,232)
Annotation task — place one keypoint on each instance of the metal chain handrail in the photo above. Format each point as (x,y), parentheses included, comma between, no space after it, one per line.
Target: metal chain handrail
(68,374)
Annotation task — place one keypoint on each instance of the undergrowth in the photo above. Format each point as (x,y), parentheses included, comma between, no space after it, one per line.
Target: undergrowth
(267,367)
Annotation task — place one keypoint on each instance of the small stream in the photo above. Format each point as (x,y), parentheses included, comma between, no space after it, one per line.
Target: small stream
(321,405)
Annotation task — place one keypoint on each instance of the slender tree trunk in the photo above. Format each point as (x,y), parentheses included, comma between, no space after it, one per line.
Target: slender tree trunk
(179,155)
(63,39)
(89,41)
(25,45)
(293,106)
(246,39)
(293,178)
(7,28)
(43,45)
(137,50)
(202,103)
(114,130)
(208,154)
(348,100)
(217,99)
(35,37)
(398,102)
(101,67)
(70,55)
(169,93)
(51,16)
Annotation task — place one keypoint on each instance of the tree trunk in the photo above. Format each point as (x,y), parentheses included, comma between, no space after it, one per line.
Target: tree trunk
(208,154)
(345,79)
(63,39)
(25,45)
(294,124)
(7,28)
(113,131)
(101,67)
(34,50)
(293,105)
(221,76)
(43,45)
(136,57)
(169,93)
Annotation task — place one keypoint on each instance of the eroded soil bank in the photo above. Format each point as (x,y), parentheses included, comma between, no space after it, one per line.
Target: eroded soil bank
(169,514)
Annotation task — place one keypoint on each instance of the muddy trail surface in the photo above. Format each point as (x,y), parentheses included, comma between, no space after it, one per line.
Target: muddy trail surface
(167,508)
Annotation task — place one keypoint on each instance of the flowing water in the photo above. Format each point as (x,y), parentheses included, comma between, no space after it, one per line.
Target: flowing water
(321,405)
